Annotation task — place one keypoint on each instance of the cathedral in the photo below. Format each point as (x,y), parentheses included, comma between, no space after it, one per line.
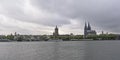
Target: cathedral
(88,30)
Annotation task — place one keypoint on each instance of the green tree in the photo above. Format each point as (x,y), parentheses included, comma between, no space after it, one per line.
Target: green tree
(10,37)
(94,37)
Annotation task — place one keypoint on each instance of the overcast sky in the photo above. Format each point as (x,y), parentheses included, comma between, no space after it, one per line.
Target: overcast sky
(41,16)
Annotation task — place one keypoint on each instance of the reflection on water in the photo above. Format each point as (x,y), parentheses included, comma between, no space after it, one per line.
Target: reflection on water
(75,50)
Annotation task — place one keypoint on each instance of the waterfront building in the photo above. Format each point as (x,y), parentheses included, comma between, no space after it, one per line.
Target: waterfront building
(88,30)
(56,32)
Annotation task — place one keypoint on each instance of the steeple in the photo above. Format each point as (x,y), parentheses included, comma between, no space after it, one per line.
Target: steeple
(88,31)
(85,30)
(56,32)
(89,27)
(56,28)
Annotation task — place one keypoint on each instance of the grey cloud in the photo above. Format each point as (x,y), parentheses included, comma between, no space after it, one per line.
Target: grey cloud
(14,9)
(102,13)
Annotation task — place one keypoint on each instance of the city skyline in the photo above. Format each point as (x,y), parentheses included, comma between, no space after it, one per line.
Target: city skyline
(41,16)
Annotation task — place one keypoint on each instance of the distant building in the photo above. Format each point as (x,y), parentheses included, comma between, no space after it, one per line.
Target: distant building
(56,32)
(88,30)
(102,32)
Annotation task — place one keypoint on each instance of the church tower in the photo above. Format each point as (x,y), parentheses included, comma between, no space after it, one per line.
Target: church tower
(56,33)
(89,27)
(88,30)
(85,30)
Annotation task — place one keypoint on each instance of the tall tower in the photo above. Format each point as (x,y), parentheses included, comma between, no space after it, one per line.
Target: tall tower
(88,30)
(89,27)
(85,30)
(56,33)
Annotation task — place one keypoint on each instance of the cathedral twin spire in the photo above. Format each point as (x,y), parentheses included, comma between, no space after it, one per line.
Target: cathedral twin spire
(87,26)
(88,30)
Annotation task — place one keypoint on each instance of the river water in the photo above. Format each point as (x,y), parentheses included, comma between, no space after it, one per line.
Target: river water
(66,50)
